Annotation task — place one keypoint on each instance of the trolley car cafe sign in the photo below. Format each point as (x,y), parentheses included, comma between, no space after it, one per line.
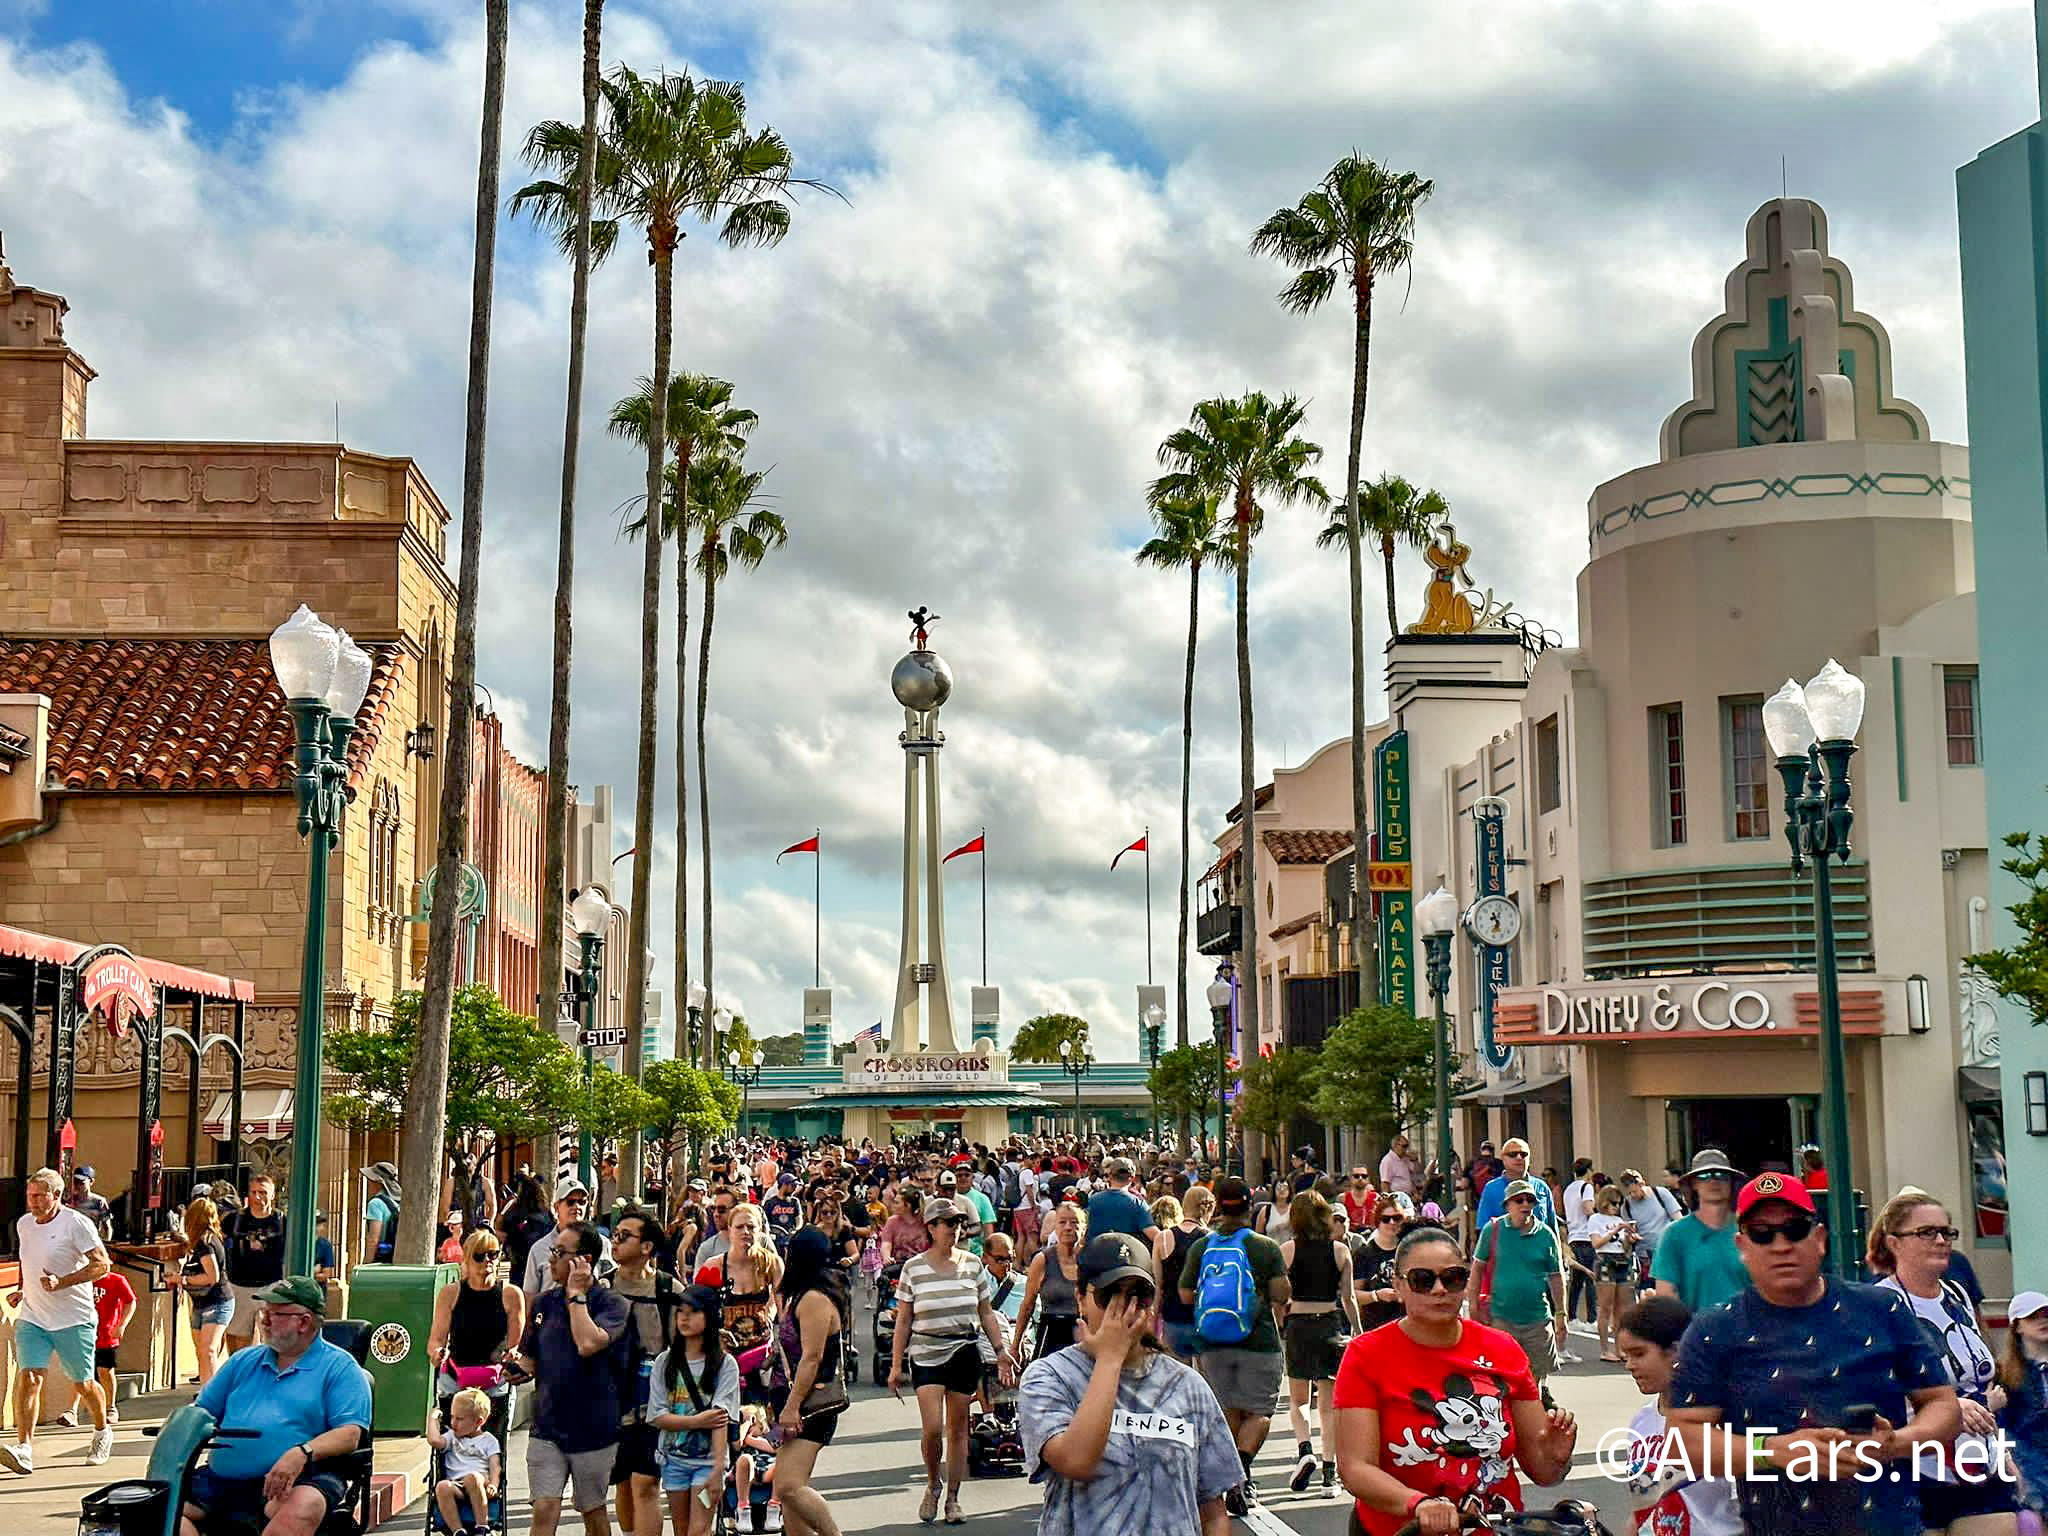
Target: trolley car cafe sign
(115,986)
(1682,1007)
(964,1069)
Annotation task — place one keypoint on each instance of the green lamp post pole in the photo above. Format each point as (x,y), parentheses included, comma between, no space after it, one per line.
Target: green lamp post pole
(1075,1064)
(1221,994)
(1155,1023)
(746,1073)
(1436,919)
(1812,730)
(324,675)
(590,914)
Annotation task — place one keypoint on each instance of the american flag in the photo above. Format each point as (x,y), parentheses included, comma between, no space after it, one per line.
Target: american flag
(872,1032)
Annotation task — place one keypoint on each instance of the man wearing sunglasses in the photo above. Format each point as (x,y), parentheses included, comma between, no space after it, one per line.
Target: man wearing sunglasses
(1696,1258)
(572,1204)
(1812,1392)
(1519,1264)
(1514,1154)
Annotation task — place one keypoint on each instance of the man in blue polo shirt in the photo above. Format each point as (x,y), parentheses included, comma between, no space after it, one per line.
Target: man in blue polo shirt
(1514,1157)
(304,1399)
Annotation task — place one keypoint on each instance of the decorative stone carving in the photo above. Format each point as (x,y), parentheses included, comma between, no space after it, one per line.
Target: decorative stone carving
(163,482)
(368,495)
(294,485)
(98,482)
(235,483)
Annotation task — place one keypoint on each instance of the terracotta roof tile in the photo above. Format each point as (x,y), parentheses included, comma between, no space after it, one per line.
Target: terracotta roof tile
(1306,846)
(150,714)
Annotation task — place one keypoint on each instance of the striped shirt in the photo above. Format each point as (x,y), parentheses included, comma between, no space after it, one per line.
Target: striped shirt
(945,1309)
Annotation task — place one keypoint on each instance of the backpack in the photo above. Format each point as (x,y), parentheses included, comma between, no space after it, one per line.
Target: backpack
(629,1358)
(1227,1292)
(1013,1186)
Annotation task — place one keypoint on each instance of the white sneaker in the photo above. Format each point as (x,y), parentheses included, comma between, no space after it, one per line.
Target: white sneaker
(68,1418)
(1568,1357)
(15,1457)
(113,1414)
(102,1446)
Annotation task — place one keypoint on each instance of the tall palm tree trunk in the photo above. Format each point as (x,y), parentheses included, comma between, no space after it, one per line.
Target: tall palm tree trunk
(682,940)
(703,775)
(555,878)
(1187,765)
(1365,937)
(1248,909)
(1387,560)
(426,1090)
(650,686)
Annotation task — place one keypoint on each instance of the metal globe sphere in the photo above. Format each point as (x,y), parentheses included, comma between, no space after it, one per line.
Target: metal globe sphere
(922,680)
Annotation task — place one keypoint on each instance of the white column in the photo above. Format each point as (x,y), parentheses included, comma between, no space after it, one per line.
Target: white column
(903,1037)
(941,999)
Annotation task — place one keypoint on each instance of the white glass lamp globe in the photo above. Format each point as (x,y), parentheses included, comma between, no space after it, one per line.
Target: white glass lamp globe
(1834,701)
(1787,725)
(303,652)
(351,680)
(1436,913)
(590,913)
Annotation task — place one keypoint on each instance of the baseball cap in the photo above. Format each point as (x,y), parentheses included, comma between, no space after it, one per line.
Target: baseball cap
(1711,1160)
(568,1187)
(84,1171)
(1232,1194)
(2026,1304)
(701,1298)
(1518,1187)
(940,1208)
(297,1291)
(1774,1186)
(1116,1256)
(787,1178)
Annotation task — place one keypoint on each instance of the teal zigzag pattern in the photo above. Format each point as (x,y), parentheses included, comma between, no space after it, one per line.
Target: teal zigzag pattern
(1770,400)
(1741,492)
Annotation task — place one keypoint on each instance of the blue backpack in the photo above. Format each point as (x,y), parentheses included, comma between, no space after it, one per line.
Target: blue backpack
(1227,1292)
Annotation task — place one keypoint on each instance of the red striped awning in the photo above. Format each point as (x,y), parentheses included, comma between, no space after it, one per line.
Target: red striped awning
(24,945)
(266,1115)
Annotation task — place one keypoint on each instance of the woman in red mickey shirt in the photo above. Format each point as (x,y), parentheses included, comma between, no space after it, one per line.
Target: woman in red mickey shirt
(1433,1408)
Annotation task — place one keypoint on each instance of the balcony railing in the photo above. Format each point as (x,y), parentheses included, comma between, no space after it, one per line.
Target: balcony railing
(1218,931)
(1731,917)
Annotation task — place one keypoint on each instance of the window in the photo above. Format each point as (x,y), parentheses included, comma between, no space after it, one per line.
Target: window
(1959,714)
(1667,773)
(1749,767)
(1549,771)
(383,892)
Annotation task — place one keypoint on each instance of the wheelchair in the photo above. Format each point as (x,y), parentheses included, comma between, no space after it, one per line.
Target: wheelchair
(152,1504)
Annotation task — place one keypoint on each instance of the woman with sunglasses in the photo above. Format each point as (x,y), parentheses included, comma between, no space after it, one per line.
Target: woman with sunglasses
(1372,1267)
(1126,1439)
(478,1320)
(1910,1244)
(1438,1408)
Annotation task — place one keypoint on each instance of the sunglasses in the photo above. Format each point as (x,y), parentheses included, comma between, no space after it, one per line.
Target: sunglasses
(1794,1229)
(1451,1276)
(1929,1234)
(1391,1220)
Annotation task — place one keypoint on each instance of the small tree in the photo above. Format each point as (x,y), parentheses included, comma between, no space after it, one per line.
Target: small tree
(612,1105)
(687,1105)
(783,1050)
(1274,1091)
(1183,1084)
(1039,1039)
(1374,1058)
(2021,972)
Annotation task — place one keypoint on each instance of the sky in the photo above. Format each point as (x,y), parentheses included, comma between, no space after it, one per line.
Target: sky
(261,213)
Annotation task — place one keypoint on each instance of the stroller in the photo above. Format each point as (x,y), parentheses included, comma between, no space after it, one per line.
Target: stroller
(494,1517)
(885,1317)
(995,1444)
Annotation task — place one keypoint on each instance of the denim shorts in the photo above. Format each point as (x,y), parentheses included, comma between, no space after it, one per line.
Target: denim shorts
(679,1474)
(221,1313)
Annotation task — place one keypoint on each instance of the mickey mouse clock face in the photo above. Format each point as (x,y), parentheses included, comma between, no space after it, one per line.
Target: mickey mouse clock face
(1494,920)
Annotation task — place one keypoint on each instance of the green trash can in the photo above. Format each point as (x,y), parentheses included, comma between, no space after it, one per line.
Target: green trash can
(397,1301)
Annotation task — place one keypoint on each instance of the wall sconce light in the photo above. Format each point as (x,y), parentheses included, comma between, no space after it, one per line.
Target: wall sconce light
(1917,1021)
(2036,1085)
(419,741)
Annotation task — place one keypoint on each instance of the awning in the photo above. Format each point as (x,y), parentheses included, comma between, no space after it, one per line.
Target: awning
(1545,1088)
(266,1115)
(24,945)
(1978,1085)
(939,1099)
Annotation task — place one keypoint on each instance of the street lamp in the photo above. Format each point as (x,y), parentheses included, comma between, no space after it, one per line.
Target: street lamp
(1155,1021)
(324,675)
(1436,918)
(693,1001)
(590,915)
(744,1072)
(1221,993)
(1812,730)
(1075,1063)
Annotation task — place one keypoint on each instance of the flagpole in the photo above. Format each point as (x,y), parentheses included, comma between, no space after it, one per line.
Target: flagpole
(984,906)
(1148,906)
(818,910)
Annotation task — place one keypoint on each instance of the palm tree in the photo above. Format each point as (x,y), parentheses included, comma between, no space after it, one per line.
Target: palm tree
(1188,536)
(426,1089)
(734,529)
(701,419)
(1392,511)
(673,148)
(1246,452)
(555,831)
(1357,224)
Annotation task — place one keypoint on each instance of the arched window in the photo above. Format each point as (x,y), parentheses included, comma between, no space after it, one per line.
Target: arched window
(385,821)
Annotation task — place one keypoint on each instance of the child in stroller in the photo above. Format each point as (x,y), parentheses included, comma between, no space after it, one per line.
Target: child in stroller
(469,1468)
(750,1497)
(995,1444)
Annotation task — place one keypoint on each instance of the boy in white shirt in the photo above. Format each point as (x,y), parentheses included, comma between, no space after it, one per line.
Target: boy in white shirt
(472,1462)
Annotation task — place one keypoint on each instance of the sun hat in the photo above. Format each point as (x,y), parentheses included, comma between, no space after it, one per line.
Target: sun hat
(1711,1160)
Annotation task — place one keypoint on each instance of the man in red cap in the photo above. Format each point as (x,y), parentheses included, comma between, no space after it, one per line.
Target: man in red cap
(1802,1382)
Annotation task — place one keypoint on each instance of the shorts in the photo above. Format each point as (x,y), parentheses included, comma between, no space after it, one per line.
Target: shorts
(1314,1345)
(246,1304)
(1244,1380)
(1942,1504)
(1024,1224)
(238,1501)
(639,1451)
(958,1372)
(550,1470)
(105,1357)
(1613,1269)
(819,1428)
(1054,1335)
(214,1314)
(680,1474)
(73,1348)
(1539,1343)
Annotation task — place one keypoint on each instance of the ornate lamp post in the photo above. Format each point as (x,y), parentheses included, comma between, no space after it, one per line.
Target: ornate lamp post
(1812,730)
(1222,991)
(1436,918)
(324,675)
(694,1005)
(1155,1022)
(1075,1064)
(746,1072)
(590,914)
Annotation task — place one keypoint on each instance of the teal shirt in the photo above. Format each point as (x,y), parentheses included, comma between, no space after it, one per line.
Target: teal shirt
(1700,1262)
(1522,1270)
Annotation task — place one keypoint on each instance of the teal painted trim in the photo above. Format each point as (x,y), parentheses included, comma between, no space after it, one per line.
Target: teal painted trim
(1730,493)
(1899,721)
(1778,313)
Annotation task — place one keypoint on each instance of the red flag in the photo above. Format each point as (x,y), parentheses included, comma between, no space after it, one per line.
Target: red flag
(808,845)
(1137,847)
(976,845)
